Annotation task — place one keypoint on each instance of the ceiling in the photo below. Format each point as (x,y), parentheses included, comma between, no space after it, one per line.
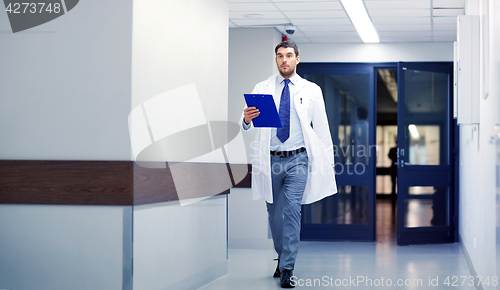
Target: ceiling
(325,21)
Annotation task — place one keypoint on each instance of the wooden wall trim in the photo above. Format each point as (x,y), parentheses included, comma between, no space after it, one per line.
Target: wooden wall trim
(179,181)
(122,183)
(66,182)
(247,181)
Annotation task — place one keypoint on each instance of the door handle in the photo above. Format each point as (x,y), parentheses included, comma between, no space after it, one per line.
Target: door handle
(403,164)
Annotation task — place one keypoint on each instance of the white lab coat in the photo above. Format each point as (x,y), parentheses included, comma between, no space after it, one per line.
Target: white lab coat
(310,108)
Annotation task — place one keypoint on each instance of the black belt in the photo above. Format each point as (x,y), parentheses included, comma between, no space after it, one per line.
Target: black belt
(283,154)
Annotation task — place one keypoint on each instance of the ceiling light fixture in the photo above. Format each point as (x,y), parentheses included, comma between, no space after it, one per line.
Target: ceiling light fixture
(361,21)
(414,132)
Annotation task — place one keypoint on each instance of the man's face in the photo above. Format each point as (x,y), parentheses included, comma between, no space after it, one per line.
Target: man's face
(287,61)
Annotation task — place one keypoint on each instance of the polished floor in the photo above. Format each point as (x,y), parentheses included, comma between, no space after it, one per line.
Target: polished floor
(354,265)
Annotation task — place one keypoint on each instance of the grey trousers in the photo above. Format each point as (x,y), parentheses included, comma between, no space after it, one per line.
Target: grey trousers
(289,176)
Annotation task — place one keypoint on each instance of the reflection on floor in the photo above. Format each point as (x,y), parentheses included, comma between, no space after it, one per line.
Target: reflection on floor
(348,206)
(352,265)
(386,220)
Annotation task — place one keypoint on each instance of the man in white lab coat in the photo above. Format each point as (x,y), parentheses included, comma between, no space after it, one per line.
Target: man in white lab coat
(292,165)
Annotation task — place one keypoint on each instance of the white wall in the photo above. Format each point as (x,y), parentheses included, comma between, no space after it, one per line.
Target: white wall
(494,70)
(179,247)
(178,43)
(251,60)
(53,247)
(65,95)
(65,85)
(67,88)
(247,221)
(477,155)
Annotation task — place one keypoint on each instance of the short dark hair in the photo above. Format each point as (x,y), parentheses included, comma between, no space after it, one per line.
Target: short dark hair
(286,44)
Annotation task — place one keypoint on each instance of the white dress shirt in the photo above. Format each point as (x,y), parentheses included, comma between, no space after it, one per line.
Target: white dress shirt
(296,139)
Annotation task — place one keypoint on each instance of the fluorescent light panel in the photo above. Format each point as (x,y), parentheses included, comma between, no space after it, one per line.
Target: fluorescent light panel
(362,22)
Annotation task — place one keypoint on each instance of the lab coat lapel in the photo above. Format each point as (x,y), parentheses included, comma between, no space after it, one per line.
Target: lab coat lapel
(297,99)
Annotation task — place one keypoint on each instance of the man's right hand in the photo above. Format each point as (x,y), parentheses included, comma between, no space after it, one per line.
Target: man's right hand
(250,113)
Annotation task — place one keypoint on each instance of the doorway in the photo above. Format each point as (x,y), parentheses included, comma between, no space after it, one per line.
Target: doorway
(362,101)
(386,140)
(426,163)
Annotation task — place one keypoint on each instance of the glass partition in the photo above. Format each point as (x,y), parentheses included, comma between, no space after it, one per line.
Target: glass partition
(347,102)
(426,117)
(348,206)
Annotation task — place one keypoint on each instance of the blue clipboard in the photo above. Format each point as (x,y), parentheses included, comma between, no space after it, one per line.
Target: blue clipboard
(269,116)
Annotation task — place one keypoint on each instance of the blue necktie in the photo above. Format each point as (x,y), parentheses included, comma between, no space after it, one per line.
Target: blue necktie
(284,132)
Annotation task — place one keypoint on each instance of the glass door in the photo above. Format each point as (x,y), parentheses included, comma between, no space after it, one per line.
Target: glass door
(348,90)
(425,164)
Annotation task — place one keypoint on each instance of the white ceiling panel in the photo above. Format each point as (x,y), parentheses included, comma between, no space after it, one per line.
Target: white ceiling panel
(322,21)
(259,22)
(258,6)
(386,27)
(401,20)
(448,20)
(333,29)
(336,40)
(448,3)
(447,12)
(400,13)
(304,6)
(300,40)
(320,28)
(266,14)
(376,4)
(445,38)
(449,27)
(343,34)
(407,39)
(278,1)
(445,33)
(316,14)
(404,33)
(248,1)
